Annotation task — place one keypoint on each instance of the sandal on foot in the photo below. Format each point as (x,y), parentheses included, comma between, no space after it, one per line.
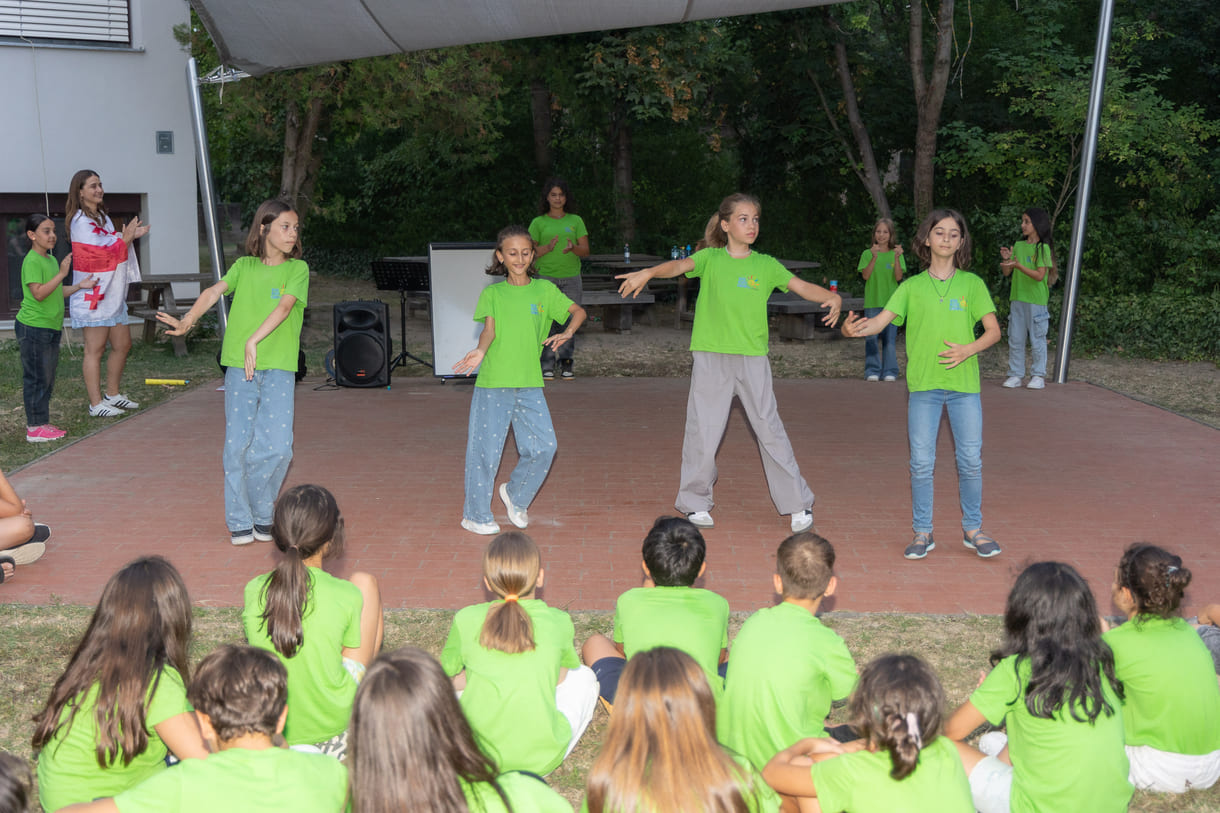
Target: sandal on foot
(920,546)
(982,544)
(7,560)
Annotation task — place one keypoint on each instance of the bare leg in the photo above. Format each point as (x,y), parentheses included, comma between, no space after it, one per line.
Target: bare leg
(372,622)
(15,531)
(91,365)
(120,346)
(598,647)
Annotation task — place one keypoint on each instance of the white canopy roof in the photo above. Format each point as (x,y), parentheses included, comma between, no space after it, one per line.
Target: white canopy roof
(260,36)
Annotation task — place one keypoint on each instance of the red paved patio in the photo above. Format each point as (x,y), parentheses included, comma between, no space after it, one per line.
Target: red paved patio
(1075,473)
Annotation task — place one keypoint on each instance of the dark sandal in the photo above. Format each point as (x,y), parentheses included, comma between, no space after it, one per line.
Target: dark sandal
(7,560)
(982,544)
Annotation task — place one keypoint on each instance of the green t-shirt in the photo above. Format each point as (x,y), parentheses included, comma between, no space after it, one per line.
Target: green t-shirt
(522,315)
(731,311)
(935,312)
(759,796)
(257,289)
(691,619)
(67,767)
(48,313)
(525,793)
(241,780)
(1060,763)
(880,285)
(786,669)
(320,689)
(510,699)
(1171,702)
(861,782)
(1032,256)
(543,229)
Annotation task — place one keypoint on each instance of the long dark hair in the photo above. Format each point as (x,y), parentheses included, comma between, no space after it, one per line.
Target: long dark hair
(306,519)
(1156,579)
(1051,620)
(142,623)
(1040,219)
(409,744)
(961,258)
(898,706)
(569,204)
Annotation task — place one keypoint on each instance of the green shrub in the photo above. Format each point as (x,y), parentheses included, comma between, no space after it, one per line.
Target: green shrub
(1157,324)
(345,263)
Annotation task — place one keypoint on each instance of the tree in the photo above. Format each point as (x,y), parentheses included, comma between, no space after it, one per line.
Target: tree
(930,86)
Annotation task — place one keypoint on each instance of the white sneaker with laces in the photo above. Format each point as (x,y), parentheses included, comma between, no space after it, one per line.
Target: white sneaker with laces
(121,401)
(517,516)
(872,378)
(802,521)
(484,528)
(1012,382)
(104,409)
(701,519)
(1036,383)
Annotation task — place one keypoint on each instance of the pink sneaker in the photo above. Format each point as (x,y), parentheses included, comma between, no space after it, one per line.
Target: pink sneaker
(42,434)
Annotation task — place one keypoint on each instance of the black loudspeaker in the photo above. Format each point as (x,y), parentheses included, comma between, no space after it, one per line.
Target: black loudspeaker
(362,344)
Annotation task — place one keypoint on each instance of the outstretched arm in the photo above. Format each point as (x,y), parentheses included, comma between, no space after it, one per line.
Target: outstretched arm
(578,319)
(635,281)
(471,361)
(206,301)
(855,327)
(816,293)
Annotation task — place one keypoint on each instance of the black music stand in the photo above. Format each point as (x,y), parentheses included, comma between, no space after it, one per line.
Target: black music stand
(407,276)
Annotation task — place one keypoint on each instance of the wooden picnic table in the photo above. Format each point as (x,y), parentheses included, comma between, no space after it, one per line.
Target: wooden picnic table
(801,319)
(157,294)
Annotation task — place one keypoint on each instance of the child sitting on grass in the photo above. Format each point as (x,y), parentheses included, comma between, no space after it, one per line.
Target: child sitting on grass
(667,611)
(787,666)
(239,694)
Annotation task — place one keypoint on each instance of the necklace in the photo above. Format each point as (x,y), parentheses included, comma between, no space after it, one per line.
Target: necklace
(948,288)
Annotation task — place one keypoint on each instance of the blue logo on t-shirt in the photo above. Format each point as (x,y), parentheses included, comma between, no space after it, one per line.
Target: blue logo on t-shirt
(535,309)
(276,292)
(748,282)
(957,304)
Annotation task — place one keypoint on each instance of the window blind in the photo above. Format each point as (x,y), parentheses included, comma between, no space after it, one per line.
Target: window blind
(91,21)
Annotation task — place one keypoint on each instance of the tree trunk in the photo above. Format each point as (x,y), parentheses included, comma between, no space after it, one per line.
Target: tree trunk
(870,177)
(540,109)
(929,98)
(299,162)
(624,205)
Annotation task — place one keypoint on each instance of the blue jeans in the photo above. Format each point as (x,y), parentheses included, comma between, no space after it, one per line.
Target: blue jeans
(881,351)
(923,427)
(492,411)
(39,362)
(258,443)
(1025,319)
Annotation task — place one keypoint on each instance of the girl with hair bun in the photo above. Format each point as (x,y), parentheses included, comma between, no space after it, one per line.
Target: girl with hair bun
(514,660)
(326,630)
(1171,712)
(901,761)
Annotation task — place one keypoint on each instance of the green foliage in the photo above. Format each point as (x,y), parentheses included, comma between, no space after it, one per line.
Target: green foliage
(343,263)
(1158,324)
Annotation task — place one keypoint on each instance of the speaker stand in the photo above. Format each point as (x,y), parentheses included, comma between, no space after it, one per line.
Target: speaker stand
(401,359)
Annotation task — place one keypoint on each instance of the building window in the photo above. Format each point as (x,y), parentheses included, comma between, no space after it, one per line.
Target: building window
(60,22)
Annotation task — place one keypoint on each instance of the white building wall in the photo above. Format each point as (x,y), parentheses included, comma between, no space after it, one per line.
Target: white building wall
(71,108)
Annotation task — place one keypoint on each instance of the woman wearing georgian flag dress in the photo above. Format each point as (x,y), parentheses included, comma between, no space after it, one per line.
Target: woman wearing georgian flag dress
(101,311)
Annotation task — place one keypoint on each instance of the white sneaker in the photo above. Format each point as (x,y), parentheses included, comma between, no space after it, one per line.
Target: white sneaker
(104,409)
(873,377)
(993,742)
(121,401)
(1036,383)
(485,528)
(890,378)
(517,516)
(1012,382)
(802,521)
(701,519)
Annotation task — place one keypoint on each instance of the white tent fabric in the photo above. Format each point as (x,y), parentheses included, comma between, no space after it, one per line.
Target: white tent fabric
(260,36)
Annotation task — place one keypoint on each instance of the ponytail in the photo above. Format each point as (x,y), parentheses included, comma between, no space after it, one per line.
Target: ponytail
(897,706)
(511,565)
(307,520)
(901,737)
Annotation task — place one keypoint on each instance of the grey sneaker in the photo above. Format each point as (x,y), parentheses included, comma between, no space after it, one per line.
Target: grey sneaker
(920,546)
(982,544)
(802,521)
(1012,382)
(1036,383)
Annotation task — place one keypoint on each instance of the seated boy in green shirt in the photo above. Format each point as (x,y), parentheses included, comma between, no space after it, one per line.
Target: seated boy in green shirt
(239,694)
(787,666)
(667,611)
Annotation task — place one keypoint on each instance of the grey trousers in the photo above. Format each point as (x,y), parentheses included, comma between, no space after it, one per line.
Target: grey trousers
(715,379)
(573,289)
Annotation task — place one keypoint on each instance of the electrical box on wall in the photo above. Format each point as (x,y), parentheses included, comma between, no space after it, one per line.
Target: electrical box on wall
(165,142)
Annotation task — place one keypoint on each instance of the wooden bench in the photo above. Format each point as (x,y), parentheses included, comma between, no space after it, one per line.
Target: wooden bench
(616,311)
(801,319)
(157,294)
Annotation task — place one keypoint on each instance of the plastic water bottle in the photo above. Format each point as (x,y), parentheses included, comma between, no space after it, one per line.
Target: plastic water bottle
(673,252)
(688,251)
(626,252)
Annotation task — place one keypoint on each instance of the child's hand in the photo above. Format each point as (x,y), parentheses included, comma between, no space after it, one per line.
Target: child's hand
(569,247)
(251,358)
(633,283)
(177,327)
(875,248)
(1005,253)
(854,326)
(469,363)
(558,340)
(551,245)
(1008,265)
(1210,615)
(835,303)
(954,355)
(897,252)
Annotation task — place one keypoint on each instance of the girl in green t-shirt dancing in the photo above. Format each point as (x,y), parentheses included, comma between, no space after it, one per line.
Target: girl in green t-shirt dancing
(1031,264)
(729,342)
